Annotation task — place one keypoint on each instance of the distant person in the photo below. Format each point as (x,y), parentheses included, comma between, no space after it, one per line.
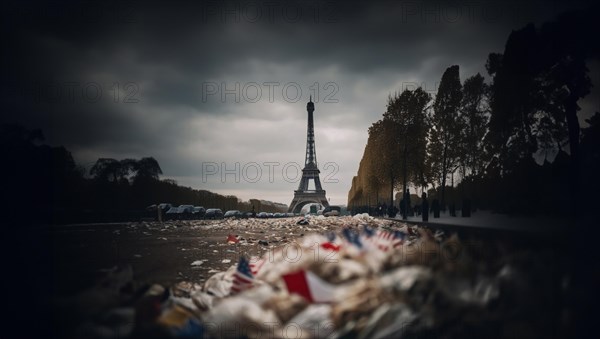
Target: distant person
(407,207)
(466,208)
(435,206)
(452,209)
(425,207)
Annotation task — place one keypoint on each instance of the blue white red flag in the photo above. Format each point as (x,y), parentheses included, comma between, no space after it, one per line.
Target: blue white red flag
(243,278)
(352,237)
(256,264)
(382,239)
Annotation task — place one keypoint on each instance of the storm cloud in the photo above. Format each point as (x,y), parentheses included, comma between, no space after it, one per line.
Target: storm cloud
(214,84)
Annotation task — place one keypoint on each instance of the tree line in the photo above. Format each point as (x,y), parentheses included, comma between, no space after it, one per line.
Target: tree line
(43,184)
(495,139)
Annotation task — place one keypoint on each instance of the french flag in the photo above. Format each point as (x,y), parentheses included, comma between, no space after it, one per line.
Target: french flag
(243,278)
(310,286)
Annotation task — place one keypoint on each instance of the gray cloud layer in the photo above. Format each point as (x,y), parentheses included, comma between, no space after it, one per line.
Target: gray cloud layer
(133,78)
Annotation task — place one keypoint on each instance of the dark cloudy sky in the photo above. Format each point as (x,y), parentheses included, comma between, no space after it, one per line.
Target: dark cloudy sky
(133,79)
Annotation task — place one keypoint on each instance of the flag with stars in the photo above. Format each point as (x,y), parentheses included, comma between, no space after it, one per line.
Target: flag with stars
(243,278)
(352,238)
(256,264)
(382,239)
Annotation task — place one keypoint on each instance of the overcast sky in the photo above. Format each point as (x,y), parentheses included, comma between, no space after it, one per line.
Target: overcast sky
(206,87)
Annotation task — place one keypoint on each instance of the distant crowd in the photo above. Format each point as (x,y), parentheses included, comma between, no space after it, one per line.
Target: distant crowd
(406,209)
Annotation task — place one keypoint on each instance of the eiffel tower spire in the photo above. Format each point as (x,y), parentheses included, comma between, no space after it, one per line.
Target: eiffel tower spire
(303,195)
(311,152)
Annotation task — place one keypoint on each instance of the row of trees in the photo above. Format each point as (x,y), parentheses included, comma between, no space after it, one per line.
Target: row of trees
(131,184)
(422,142)
(44,184)
(488,135)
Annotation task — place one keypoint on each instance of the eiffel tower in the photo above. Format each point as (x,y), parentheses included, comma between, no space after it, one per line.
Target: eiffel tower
(304,196)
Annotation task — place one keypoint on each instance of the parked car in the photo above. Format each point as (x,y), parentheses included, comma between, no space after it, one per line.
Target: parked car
(332,211)
(180,212)
(172,213)
(213,213)
(262,215)
(198,212)
(186,211)
(248,215)
(163,207)
(233,214)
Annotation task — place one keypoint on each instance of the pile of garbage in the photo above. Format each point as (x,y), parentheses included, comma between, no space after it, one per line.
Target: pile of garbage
(366,279)
(307,223)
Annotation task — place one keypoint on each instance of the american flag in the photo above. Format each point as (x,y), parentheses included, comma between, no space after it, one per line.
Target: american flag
(384,240)
(255,264)
(243,278)
(352,237)
(331,236)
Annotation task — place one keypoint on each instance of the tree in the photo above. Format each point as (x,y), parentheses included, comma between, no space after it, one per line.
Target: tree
(445,134)
(407,112)
(106,169)
(383,141)
(536,86)
(513,99)
(473,110)
(146,168)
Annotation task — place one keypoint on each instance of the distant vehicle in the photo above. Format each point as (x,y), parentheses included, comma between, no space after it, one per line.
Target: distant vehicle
(172,213)
(233,214)
(332,211)
(213,213)
(269,215)
(248,215)
(198,212)
(262,215)
(179,213)
(186,211)
(164,206)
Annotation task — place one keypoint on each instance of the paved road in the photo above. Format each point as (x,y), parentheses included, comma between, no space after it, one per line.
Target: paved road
(494,221)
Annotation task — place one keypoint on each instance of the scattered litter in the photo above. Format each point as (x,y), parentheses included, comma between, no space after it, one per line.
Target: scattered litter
(332,277)
(302,222)
(232,239)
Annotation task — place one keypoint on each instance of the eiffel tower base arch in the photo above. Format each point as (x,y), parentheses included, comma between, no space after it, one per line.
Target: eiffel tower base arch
(303,198)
